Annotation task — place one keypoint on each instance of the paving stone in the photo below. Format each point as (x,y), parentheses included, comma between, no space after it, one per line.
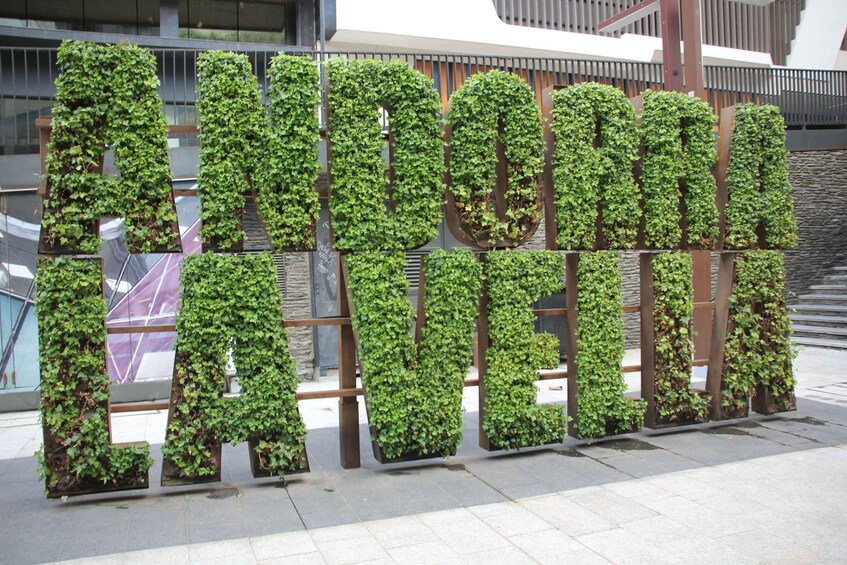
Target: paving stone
(546,543)
(620,546)
(472,536)
(515,522)
(400,532)
(314,558)
(566,515)
(351,550)
(282,545)
(698,549)
(430,552)
(499,556)
(611,506)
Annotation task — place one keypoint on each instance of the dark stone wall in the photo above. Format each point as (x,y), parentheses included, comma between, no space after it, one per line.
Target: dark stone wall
(819,186)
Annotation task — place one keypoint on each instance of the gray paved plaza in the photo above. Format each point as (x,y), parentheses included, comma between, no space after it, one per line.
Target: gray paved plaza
(765,489)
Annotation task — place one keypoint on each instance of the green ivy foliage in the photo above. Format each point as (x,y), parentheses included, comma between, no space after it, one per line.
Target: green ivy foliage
(589,181)
(673,304)
(108,94)
(71,315)
(516,279)
(491,107)
(758,348)
(414,397)
(231,302)
(234,138)
(287,199)
(602,408)
(357,91)
(679,151)
(759,191)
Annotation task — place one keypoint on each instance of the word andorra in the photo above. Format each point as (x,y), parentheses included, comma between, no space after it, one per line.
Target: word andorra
(601,172)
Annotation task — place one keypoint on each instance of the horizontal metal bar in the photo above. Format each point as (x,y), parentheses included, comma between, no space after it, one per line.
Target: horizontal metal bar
(311,322)
(350,392)
(153,328)
(550,311)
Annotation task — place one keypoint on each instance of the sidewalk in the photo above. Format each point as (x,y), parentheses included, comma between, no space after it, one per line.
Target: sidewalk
(765,489)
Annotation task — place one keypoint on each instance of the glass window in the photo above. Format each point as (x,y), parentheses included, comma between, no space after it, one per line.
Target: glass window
(10,309)
(261,22)
(21,368)
(148,17)
(208,19)
(225,20)
(18,134)
(108,16)
(13,13)
(55,14)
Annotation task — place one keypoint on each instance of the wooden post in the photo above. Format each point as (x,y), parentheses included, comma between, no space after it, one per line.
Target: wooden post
(693,48)
(671,53)
(648,338)
(551,229)
(727,123)
(571,289)
(348,406)
(726,275)
(482,363)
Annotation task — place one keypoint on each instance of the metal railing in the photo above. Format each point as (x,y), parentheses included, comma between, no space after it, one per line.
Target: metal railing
(767,29)
(806,97)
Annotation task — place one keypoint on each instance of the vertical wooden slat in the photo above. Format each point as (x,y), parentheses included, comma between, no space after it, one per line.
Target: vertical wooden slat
(648,338)
(726,274)
(482,362)
(348,407)
(571,290)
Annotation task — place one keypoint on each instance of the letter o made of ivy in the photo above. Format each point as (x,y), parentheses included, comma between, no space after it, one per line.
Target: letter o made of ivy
(596,147)
(679,152)
(491,109)
(357,91)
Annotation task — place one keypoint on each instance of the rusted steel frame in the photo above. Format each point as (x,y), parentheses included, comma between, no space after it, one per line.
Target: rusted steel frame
(483,341)
(648,338)
(551,230)
(162,328)
(720,329)
(727,124)
(693,47)
(571,292)
(671,52)
(348,406)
